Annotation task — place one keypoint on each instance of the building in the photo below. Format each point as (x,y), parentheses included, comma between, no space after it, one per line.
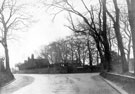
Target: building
(33,63)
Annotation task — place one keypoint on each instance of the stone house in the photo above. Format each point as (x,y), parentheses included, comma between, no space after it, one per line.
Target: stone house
(33,63)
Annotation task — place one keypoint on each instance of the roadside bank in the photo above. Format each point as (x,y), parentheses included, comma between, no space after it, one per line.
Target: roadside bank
(125,82)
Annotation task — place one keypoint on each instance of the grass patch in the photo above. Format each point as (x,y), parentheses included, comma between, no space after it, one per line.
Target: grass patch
(5,77)
(122,80)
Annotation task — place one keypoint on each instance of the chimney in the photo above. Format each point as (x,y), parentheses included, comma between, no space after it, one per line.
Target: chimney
(32,56)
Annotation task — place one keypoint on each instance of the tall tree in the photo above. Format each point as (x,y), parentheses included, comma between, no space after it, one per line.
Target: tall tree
(126,32)
(131,15)
(92,24)
(118,34)
(105,40)
(11,19)
(90,54)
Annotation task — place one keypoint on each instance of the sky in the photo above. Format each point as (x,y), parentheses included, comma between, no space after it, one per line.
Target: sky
(40,33)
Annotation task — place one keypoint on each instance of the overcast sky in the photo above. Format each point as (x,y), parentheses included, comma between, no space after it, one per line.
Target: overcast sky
(40,33)
(37,35)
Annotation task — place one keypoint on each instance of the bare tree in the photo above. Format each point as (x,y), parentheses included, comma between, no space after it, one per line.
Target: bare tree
(131,15)
(104,35)
(126,32)
(118,34)
(10,20)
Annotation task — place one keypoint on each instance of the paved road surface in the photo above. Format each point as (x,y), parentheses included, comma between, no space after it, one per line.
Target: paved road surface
(58,84)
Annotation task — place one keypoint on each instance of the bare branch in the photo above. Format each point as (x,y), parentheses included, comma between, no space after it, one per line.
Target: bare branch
(110,15)
(99,15)
(55,14)
(2,6)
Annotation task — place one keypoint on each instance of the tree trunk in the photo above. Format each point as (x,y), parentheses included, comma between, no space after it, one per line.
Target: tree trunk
(131,14)
(84,57)
(129,48)
(121,48)
(72,56)
(118,36)
(79,54)
(90,55)
(7,58)
(100,51)
(119,39)
(105,40)
(97,59)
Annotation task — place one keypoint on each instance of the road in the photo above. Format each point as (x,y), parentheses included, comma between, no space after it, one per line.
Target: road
(58,84)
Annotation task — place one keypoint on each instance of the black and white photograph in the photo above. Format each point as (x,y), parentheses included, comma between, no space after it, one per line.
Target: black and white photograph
(67,46)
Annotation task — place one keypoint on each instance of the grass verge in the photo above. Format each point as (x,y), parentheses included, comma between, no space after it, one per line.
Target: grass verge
(5,77)
(126,82)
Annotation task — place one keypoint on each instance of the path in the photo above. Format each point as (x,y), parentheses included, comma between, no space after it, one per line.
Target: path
(59,84)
